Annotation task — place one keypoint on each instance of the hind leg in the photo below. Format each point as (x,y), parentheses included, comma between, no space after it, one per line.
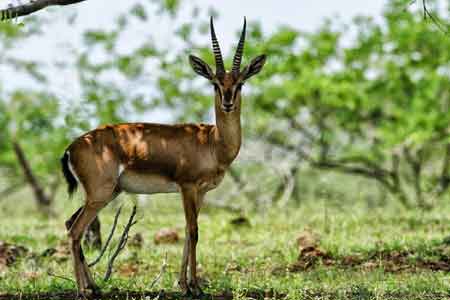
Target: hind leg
(86,215)
(97,197)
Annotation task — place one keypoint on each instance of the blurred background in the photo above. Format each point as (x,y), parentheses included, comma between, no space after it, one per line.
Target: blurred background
(346,141)
(354,96)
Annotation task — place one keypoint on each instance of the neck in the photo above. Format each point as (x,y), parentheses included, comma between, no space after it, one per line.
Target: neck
(228,136)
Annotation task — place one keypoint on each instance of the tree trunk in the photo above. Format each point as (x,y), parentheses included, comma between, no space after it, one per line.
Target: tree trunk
(42,199)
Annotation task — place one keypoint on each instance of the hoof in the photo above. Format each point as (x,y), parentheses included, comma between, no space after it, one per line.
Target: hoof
(96,291)
(185,290)
(186,293)
(196,291)
(161,295)
(90,292)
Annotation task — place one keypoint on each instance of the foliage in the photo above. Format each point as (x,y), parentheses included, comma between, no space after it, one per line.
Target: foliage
(368,99)
(376,108)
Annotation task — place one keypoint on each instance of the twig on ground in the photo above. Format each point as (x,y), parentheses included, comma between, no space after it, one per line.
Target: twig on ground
(113,229)
(161,272)
(60,277)
(122,243)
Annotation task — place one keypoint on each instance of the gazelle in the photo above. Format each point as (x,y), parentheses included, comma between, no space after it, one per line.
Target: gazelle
(148,158)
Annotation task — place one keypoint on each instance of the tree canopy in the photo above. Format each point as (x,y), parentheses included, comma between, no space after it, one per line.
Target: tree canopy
(367,99)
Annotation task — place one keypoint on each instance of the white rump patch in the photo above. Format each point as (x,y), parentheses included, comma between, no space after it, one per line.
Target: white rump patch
(74,173)
(71,168)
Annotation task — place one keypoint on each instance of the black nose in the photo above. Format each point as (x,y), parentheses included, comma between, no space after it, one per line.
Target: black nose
(227,106)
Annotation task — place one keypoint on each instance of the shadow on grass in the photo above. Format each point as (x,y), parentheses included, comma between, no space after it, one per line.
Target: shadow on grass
(122,295)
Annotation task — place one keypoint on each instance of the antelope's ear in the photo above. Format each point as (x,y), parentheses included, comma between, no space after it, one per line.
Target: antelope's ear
(254,67)
(200,67)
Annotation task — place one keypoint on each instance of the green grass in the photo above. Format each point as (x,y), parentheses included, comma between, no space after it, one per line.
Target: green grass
(241,258)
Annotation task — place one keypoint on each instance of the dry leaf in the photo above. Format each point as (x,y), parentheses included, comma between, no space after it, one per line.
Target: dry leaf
(128,269)
(31,275)
(307,239)
(166,236)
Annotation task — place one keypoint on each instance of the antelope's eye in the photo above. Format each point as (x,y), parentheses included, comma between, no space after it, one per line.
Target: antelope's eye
(239,86)
(216,86)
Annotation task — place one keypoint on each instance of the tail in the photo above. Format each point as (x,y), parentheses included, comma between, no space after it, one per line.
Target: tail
(70,178)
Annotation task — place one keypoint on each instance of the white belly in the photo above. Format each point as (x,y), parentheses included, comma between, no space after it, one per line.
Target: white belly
(138,183)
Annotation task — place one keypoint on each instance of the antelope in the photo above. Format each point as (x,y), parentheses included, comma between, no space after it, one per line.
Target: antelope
(148,158)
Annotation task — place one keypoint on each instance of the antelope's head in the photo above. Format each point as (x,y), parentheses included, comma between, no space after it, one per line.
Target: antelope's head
(227,84)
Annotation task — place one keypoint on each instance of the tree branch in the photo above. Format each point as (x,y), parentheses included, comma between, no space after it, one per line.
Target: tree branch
(396,187)
(428,14)
(122,243)
(305,132)
(444,180)
(113,229)
(287,187)
(42,199)
(378,174)
(31,7)
(415,162)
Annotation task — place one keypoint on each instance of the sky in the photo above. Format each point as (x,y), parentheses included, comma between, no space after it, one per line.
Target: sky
(302,14)
(305,15)
(59,36)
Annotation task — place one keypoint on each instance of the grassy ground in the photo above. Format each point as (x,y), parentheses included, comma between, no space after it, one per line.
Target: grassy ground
(362,253)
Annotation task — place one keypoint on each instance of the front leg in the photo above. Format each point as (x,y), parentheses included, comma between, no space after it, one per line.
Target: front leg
(184,264)
(193,280)
(190,200)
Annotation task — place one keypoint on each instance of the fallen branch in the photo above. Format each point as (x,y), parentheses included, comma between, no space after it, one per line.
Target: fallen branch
(31,7)
(113,229)
(122,243)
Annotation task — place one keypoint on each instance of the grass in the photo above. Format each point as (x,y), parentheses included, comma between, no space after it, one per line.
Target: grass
(241,258)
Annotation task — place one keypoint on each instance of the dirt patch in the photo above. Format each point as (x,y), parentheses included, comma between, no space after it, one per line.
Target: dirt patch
(311,255)
(391,261)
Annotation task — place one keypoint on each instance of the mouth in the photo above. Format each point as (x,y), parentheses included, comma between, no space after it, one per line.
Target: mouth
(227,109)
